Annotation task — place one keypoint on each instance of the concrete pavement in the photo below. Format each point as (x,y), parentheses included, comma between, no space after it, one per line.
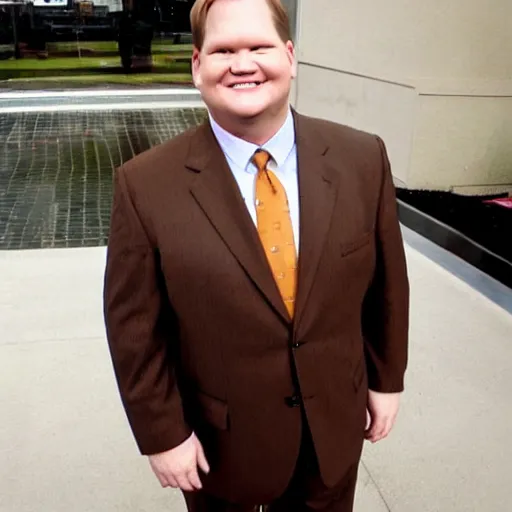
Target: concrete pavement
(65,444)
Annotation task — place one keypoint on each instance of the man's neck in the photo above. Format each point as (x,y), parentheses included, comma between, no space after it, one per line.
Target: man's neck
(258,130)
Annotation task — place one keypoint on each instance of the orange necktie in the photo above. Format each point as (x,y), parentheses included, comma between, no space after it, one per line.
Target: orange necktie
(275,229)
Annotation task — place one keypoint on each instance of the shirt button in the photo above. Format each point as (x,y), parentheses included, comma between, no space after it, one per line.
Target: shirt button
(274,249)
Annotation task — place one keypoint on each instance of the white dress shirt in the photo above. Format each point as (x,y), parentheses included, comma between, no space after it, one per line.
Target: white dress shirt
(283,150)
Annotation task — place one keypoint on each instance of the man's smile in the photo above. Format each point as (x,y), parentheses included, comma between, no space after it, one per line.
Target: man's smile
(245,85)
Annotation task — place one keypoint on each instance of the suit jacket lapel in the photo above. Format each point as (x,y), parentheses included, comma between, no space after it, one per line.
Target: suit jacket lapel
(218,195)
(318,188)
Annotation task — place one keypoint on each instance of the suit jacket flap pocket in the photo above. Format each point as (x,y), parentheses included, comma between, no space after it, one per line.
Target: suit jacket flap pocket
(356,244)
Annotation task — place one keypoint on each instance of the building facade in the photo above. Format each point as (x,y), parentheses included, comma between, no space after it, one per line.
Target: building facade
(434,79)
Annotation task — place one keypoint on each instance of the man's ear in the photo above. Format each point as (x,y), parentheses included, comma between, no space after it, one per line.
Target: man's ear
(196,66)
(290,50)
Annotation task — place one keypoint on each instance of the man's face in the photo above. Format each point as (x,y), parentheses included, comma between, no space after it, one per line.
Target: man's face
(244,69)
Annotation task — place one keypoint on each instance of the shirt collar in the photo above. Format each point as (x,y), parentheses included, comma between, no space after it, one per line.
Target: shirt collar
(241,151)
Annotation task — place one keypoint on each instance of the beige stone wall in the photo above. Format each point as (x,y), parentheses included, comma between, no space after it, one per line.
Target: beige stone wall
(434,79)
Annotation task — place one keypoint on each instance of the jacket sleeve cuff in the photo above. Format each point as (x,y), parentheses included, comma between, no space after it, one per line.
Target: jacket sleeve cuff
(159,441)
(386,385)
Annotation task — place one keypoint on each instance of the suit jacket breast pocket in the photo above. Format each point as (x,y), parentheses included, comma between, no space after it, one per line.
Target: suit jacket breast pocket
(356,244)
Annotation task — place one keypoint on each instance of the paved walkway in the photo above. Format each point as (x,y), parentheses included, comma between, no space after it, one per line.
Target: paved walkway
(65,445)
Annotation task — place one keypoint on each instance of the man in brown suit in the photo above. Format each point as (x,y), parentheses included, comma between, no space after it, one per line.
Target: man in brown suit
(256,294)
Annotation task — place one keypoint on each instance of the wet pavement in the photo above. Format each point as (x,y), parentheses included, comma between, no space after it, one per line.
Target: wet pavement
(56,170)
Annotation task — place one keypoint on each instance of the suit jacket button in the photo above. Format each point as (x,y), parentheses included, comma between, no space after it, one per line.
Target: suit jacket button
(293,401)
(297,345)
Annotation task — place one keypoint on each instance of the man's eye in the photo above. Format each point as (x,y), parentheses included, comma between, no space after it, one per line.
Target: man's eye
(222,50)
(259,48)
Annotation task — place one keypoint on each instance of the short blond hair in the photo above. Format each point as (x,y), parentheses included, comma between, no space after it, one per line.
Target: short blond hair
(200,9)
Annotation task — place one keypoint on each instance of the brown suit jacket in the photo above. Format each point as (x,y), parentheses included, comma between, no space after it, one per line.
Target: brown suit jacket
(199,336)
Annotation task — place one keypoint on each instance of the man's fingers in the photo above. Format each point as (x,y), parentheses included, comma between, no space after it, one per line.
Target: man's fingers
(162,479)
(379,434)
(377,428)
(389,426)
(178,467)
(184,483)
(377,425)
(201,459)
(172,482)
(194,479)
(368,420)
(380,429)
(383,409)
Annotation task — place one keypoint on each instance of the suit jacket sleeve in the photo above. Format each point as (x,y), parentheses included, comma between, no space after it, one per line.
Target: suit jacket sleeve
(140,331)
(386,307)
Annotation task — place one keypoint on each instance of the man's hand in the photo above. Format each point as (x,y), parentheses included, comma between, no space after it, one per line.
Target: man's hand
(178,467)
(381,414)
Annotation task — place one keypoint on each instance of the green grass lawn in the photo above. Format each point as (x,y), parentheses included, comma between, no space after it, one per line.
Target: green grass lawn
(64,63)
(111,46)
(171,64)
(90,80)
(95,68)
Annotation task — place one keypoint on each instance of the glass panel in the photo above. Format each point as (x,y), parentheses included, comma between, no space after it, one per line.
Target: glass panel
(60,44)
(56,170)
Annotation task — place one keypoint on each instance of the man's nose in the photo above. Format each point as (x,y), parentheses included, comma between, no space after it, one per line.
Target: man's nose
(242,63)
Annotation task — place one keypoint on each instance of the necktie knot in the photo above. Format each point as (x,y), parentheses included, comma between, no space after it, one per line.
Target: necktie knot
(260,159)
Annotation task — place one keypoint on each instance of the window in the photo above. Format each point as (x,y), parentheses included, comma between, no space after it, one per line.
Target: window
(61,44)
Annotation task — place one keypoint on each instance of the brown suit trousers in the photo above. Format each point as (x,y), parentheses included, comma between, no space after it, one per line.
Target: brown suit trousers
(306,491)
